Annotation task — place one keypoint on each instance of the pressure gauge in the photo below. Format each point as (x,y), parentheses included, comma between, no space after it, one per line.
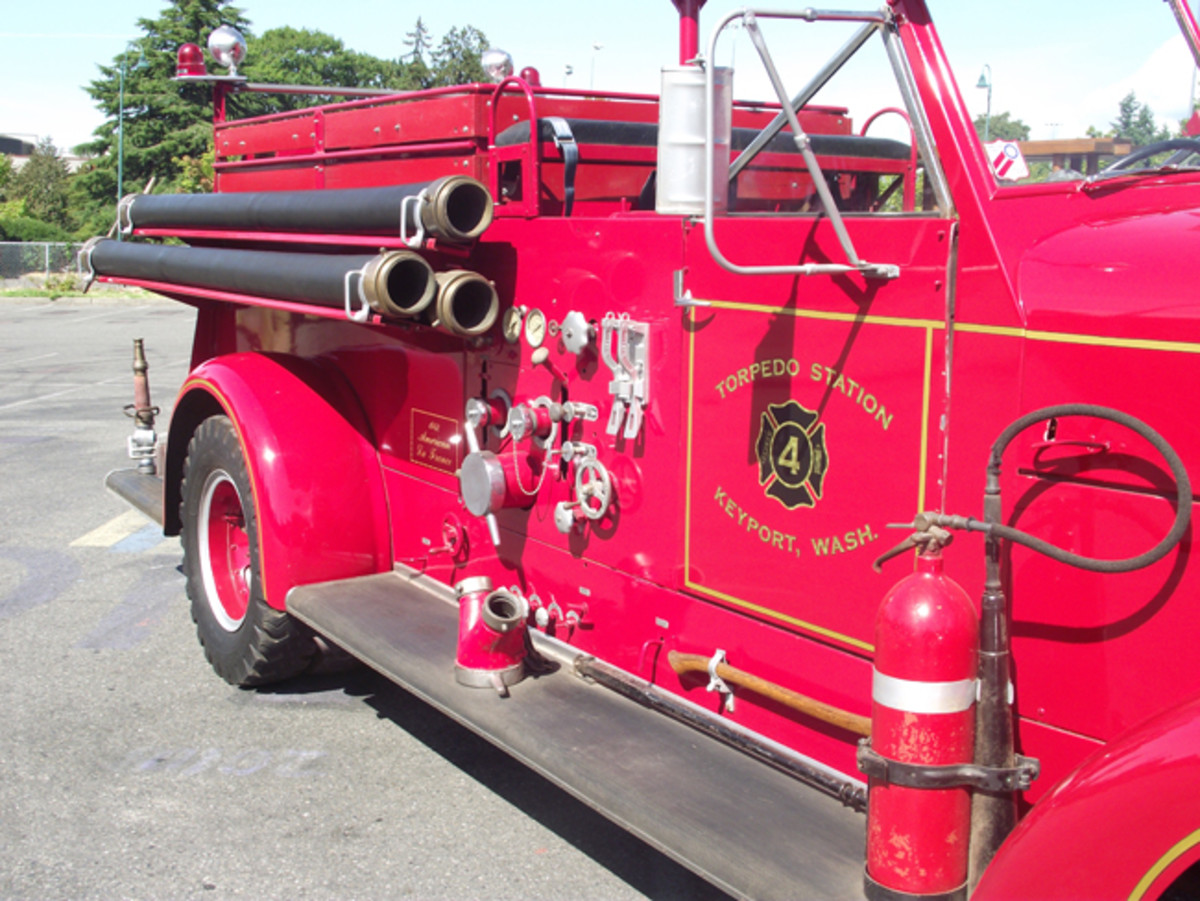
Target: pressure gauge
(512,324)
(535,328)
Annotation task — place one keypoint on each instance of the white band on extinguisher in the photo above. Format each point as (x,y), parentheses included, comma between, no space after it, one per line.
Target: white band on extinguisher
(923,697)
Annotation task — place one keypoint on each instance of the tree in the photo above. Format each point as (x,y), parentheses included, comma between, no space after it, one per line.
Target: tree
(457,58)
(1003,127)
(302,56)
(1135,121)
(42,183)
(164,120)
(25,228)
(416,72)
(168,127)
(6,174)
(417,41)
(196,174)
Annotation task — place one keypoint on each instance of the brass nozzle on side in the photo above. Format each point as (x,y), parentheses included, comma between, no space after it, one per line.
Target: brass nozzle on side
(399,283)
(467,303)
(456,209)
(143,411)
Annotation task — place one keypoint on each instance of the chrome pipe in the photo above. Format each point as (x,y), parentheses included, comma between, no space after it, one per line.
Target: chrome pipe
(935,177)
(825,778)
(802,99)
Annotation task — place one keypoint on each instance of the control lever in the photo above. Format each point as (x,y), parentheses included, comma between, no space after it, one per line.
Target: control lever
(633,338)
(630,366)
(477,415)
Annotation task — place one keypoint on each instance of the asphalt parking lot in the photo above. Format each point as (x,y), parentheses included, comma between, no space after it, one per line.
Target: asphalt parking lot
(131,771)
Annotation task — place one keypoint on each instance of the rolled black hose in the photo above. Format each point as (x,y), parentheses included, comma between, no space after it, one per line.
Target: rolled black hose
(454,208)
(310,278)
(1183,485)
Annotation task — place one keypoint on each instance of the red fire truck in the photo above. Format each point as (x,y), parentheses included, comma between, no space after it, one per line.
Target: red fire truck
(583,416)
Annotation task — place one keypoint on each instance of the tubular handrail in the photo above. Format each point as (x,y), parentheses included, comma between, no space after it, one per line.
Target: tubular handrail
(803,144)
(801,99)
(530,173)
(910,182)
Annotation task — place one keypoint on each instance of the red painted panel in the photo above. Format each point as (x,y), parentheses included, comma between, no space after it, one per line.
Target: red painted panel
(296,134)
(421,513)
(818,388)
(408,378)
(304,177)
(430,119)
(595,266)
(1102,833)
(1077,635)
(406,171)
(1058,752)
(791,417)
(635,624)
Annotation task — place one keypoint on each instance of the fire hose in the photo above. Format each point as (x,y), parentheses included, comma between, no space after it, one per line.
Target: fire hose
(935,526)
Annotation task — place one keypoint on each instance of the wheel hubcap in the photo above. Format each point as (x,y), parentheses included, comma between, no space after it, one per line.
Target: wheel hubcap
(224,548)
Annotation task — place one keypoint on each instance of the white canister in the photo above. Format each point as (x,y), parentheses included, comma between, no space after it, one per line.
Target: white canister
(681,159)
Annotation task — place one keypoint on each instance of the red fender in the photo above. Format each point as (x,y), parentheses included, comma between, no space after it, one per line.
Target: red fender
(316,478)
(1124,825)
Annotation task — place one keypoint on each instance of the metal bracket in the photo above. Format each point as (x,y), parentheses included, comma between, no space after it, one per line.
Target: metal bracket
(911,775)
(716,683)
(411,205)
(125,214)
(142,444)
(85,259)
(683,296)
(363,312)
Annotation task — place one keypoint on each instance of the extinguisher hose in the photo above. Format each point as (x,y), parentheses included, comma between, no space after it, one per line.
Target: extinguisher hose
(1183,486)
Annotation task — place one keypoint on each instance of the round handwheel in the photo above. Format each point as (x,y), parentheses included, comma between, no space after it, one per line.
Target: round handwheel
(593,488)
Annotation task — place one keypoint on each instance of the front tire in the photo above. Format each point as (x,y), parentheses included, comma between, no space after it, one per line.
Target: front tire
(246,641)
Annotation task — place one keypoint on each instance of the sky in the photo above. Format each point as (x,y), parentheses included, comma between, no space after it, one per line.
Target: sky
(1058,66)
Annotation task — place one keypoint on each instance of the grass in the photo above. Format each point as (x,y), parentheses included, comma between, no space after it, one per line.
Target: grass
(66,285)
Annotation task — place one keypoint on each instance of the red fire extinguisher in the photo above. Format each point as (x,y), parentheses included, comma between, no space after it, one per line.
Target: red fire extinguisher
(922,719)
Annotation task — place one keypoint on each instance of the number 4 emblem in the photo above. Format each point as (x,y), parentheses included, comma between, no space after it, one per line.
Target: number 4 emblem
(792,459)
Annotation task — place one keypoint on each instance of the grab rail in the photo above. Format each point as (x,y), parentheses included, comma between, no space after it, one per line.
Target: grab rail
(803,144)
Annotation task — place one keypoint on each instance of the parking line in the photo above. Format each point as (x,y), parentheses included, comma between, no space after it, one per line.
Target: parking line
(116,529)
(113,312)
(30,359)
(72,390)
(148,536)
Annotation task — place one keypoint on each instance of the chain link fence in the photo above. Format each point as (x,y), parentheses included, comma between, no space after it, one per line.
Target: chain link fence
(23,259)
(37,264)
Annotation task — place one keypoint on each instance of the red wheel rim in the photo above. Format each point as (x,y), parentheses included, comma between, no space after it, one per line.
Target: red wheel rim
(224,550)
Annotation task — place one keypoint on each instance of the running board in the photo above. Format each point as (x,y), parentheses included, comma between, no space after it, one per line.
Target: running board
(143,491)
(748,828)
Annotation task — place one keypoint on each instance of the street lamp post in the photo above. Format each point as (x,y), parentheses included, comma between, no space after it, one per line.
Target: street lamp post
(596,48)
(985,81)
(140,64)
